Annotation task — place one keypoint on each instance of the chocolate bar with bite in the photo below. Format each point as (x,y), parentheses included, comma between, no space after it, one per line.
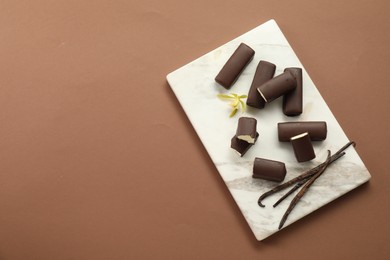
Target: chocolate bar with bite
(317,130)
(265,71)
(241,146)
(235,65)
(303,148)
(269,170)
(292,101)
(277,87)
(246,129)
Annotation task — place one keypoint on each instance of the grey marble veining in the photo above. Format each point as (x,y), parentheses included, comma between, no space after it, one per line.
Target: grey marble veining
(196,90)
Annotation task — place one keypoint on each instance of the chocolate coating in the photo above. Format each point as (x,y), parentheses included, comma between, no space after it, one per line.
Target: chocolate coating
(241,146)
(269,170)
(277,87)
(292,101)
(303,148)
(246,129)
(265,71)
(317,130)
(235,65)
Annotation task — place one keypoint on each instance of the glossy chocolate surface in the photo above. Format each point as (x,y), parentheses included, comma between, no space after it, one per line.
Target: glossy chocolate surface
(265,71)
(269,170)
(235,65)
(241,146)
(303,148)
(277,87)
(317,130)
(246,129)
(293,100)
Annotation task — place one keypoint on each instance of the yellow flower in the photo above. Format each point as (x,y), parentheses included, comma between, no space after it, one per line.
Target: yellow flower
(235,102)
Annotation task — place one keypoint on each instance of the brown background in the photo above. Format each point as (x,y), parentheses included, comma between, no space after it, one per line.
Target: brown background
(99,161)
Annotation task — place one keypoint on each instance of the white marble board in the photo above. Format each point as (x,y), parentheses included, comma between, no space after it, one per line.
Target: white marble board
(196,90)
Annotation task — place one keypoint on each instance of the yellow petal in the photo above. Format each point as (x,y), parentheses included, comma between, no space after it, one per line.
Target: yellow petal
(233,112)
(223,96)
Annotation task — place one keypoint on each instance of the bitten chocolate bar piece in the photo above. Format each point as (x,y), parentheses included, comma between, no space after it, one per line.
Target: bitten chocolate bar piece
(246,129)
(241,146)
(264,72)
(292,101)
(277,87)
(235,65)
(317,130)
(269,170)
(303,149)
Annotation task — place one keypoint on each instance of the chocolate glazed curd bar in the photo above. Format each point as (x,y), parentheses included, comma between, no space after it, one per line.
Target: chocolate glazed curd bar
(292,101)
(246,129)
(269,170)
(235,65)
(265,71)
(241,146)
(277,87)
(317,130)
(303,148)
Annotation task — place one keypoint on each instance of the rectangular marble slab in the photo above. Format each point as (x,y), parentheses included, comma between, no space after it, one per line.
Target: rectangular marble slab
(196,90)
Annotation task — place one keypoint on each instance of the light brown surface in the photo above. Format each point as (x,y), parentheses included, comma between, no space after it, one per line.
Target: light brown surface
(98,160)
